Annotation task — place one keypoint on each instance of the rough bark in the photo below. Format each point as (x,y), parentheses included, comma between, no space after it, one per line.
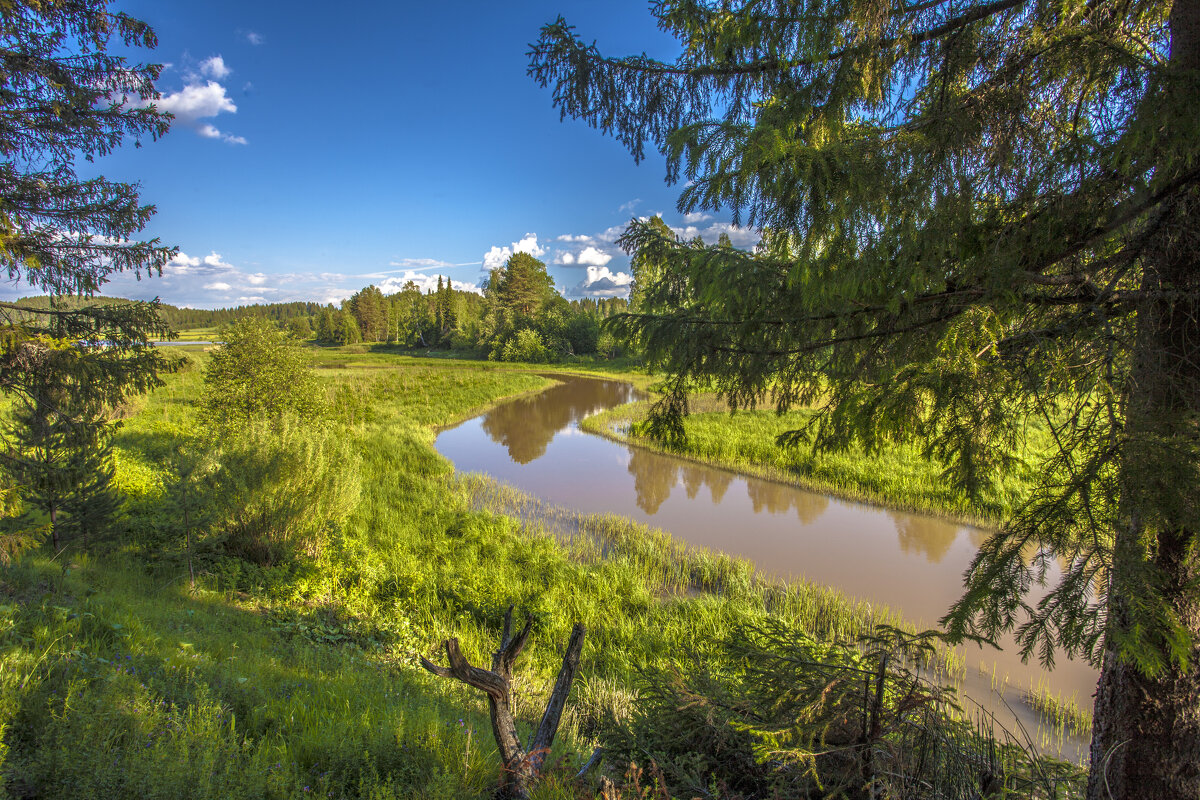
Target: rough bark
(1146,735)
(522,765)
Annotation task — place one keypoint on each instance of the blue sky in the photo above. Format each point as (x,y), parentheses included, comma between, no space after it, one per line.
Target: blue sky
(318,149)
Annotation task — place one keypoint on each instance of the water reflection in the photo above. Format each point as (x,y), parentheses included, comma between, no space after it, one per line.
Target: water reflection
(925,536)
(527,425)
(779,498)
(654,477)
(912,563)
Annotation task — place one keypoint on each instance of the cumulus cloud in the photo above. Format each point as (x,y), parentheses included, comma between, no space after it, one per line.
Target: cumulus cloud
(745,238)
(602,282)
(196,101)
(214,67)
(593,257)
(589,256)
(202,99)
(497,256)
(425,283)
(218,286)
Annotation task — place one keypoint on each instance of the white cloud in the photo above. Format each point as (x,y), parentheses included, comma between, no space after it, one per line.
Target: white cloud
(630,206)
(497,256)
(254,38)
(422,263)
(200,100)
(582,238)
(424,282)
(529,245)
(215,67)
(194,102)
(210,132)
(564,257)
(183,261)
(219,286)
(602,282)
(593,257)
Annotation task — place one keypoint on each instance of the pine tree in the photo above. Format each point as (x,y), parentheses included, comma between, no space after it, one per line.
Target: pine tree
(63,96)
(975,216)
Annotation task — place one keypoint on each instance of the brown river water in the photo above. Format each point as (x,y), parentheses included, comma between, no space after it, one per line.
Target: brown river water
(910,562)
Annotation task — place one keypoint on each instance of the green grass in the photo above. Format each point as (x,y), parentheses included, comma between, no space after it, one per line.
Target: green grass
(898,476)
(300,679)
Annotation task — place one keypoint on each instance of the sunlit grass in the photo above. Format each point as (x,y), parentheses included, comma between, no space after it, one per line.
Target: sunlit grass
(300,680)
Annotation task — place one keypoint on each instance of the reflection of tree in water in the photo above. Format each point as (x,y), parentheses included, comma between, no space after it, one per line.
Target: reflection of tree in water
(653,478)
(932,537)
(778,498)
(693,479)
(526,426)
(718,484)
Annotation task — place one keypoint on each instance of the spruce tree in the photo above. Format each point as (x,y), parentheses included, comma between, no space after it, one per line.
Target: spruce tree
(976,216)
(68,361)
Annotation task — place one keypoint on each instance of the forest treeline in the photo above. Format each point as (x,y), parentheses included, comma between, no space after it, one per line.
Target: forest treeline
(519,317)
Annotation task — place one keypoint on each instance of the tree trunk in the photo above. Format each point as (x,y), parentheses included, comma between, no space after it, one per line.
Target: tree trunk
(522,766)
(1146,735)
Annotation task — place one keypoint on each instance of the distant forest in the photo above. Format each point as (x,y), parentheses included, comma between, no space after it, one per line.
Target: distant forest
(519,317)
(187,318)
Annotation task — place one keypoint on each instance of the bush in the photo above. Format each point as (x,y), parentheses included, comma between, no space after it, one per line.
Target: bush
(526,346)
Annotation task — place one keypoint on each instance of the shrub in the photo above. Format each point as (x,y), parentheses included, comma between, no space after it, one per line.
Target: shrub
(260,371)
(526,346)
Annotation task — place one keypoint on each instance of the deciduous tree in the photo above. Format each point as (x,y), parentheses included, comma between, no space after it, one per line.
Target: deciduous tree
(260,372)
(975,214)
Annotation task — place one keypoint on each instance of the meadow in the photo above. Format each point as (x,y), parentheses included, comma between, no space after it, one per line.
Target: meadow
(299,677)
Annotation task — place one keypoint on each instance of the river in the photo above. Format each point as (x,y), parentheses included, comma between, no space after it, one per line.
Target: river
(912,563)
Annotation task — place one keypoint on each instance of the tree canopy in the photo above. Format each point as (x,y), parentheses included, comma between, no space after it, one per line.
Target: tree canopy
(260,372)
(976,217)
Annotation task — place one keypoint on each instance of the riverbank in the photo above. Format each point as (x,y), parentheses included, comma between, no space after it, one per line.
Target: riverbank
(897,476)
(298,678)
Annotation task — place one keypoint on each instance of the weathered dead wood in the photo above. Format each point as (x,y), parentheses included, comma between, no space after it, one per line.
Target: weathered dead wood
(522,765)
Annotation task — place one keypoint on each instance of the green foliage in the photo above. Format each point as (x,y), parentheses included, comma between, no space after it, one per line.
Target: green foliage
(297,678)
(259,371)
(58,450)
(525,345)
(973,216)
(773,712)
